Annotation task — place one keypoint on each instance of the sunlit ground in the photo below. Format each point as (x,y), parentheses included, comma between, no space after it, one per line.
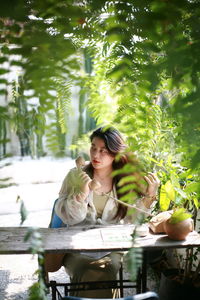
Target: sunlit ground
(37,183)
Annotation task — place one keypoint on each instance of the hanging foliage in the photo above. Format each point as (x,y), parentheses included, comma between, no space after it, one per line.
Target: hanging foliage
(145,78)
(145,48)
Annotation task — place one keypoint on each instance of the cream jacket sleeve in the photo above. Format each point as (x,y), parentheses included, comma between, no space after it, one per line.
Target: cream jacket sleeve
(72,206)
(74,209)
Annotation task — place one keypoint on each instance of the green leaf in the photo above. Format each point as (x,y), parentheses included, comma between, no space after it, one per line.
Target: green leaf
(179,215)
(23,212)
(164,200)
(133,260)
(170,190)
(128,188)
(37,291)
(181,193)
(192,187)
(174,180)
(130,197)
(196,203)
(126,179)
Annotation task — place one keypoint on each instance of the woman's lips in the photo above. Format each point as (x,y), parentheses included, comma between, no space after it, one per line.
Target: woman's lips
(96,161)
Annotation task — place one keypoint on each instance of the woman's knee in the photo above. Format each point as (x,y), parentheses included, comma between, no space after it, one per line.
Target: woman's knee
(116,259)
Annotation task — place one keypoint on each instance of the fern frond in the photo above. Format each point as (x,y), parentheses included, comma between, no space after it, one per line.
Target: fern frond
(134,261)
(63,89)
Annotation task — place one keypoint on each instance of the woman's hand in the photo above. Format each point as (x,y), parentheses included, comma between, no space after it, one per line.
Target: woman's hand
(84,183)
(153,184)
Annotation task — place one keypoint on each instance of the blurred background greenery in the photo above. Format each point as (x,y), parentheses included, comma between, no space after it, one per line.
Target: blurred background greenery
(69,66)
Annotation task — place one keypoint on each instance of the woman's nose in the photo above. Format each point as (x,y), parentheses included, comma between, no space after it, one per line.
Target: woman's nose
(96,154)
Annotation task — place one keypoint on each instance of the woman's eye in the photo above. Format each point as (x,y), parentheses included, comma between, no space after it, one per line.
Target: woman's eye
(104,151)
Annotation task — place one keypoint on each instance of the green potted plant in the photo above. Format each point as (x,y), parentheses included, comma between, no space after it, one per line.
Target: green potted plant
(179,225)
(174,220)
(182,279)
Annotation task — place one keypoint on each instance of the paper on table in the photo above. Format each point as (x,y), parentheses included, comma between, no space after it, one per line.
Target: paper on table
(123,234)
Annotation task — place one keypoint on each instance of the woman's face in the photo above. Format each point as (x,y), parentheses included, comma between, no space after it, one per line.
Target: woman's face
(99,154)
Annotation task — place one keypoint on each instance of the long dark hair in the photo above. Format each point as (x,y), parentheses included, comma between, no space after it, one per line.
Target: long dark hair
(116,146)
(112,139)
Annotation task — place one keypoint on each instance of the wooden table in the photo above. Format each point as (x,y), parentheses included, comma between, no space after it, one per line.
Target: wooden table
(90,239)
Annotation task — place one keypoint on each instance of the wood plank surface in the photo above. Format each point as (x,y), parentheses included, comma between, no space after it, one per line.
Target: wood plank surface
(96,238)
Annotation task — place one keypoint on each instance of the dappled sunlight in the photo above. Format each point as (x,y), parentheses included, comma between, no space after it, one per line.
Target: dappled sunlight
(38,182)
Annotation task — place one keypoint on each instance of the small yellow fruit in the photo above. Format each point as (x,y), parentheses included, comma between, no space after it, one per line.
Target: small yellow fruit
(94,185)
(80,162)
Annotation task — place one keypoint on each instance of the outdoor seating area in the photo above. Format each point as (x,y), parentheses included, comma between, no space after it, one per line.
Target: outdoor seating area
(12,242)
(61,290)
(119,284)
(99,150)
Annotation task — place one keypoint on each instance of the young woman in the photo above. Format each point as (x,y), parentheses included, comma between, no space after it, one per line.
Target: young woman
(79,205)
